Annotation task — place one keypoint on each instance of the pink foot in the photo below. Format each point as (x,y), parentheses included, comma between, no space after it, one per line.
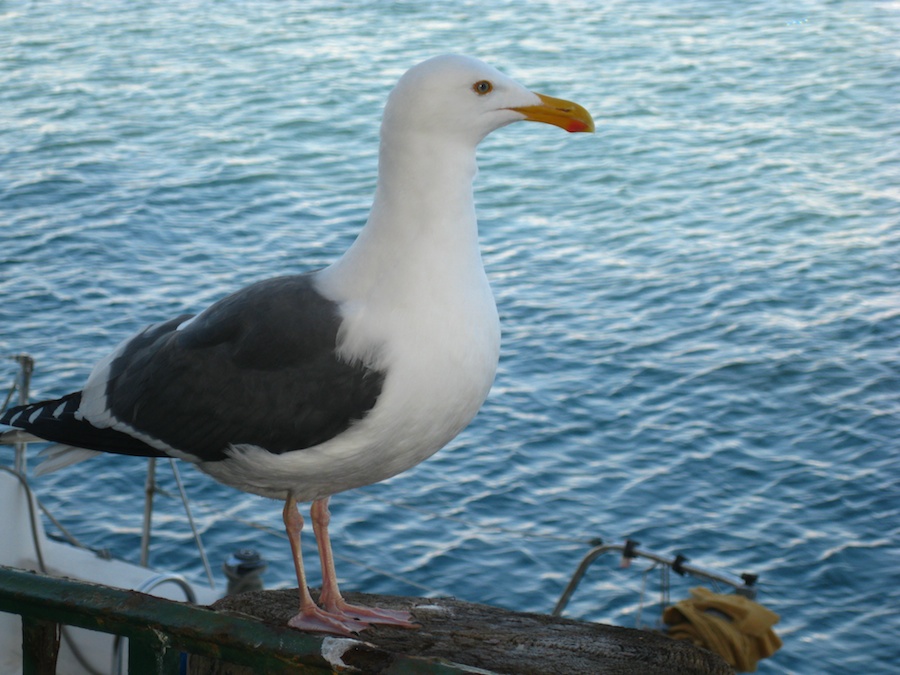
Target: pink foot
(317,620)
(373,615)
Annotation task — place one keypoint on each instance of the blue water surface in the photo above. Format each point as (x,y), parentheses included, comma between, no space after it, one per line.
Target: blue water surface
(700,302)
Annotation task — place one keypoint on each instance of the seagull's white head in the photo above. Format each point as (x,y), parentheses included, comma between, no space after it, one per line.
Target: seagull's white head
(461,97)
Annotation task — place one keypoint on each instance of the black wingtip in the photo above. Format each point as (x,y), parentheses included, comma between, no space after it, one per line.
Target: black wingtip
(33,415)
(56,421)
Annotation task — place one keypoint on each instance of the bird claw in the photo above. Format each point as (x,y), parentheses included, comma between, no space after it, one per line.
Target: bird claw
(375,615)
(317,620)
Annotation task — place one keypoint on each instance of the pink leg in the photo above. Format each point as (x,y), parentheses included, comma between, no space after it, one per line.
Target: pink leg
(331,598)
(310,617)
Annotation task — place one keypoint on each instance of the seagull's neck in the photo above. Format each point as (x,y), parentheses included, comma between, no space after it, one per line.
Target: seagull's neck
(424,184)
(422,221)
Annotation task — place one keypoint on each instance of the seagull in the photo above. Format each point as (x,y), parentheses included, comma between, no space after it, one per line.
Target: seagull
(300,387)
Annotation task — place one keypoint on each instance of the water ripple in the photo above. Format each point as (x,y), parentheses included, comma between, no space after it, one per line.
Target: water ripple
(699,303)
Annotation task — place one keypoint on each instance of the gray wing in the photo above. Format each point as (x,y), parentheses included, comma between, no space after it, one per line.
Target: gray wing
(258,367)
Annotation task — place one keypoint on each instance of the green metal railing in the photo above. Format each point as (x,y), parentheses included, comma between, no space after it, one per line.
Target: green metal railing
(160,631)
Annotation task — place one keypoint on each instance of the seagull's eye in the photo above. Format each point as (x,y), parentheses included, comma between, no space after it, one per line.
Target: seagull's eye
(482,87)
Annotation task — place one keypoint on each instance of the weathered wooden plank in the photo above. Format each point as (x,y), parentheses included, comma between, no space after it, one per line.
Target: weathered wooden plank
(454,637)
(40,646)
(476,638)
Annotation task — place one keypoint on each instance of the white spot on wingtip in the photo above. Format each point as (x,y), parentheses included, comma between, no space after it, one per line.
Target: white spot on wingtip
(58,456)
(333,650)
(33,416)
(59,410)
(12,420)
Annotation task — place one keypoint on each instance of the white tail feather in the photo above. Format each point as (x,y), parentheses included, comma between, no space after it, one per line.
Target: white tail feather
(13,436)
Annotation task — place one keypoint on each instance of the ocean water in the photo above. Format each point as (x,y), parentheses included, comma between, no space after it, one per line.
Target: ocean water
(700,302)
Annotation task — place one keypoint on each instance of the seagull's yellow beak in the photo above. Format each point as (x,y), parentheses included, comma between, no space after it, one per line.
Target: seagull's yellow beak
(559,112)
